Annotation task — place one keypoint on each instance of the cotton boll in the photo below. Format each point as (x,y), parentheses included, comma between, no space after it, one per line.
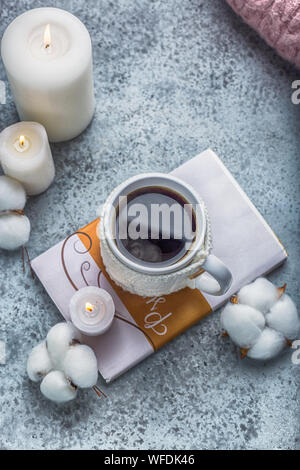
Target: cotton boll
(268,346)
(243,324)
(12,194)
(261,294)
(284,317)
(80,366)
(59,339)
(14,231)
(39,363)
(56,387)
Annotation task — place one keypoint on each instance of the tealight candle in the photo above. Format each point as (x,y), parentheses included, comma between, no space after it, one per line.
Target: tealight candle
(92,310)
(25,155)
(47,54)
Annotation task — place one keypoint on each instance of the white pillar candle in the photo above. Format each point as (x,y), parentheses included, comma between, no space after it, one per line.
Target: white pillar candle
(47,54)
(25,155)
(92,310)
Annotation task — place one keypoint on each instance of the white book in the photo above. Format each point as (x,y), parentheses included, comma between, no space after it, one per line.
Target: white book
(241,239)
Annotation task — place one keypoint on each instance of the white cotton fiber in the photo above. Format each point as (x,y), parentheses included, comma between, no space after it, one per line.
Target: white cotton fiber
(14,231)
(12,194)
(268,346)
(39,363)
(243,324)
(284,318)
(59,339)
(80,366)
(261,294)
(56,387)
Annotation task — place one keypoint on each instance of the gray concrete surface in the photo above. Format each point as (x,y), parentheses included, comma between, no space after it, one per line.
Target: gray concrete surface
(172,77)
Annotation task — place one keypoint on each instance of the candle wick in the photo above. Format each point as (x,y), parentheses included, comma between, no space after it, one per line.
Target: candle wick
(22,141)
(47,37)
(89,307)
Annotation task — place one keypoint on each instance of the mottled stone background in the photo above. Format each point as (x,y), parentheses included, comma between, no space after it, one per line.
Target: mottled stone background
(172,77)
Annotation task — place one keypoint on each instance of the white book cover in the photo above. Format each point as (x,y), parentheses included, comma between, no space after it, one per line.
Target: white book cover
(241,239)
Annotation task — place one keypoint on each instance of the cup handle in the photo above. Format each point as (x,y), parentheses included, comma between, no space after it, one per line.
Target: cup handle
(220,278)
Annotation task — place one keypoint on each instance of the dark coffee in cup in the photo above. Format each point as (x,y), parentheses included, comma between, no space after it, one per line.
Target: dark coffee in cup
(155,226)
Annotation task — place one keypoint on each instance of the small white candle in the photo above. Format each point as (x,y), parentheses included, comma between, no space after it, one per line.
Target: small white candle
(92,310)
(47,54)
(25,155)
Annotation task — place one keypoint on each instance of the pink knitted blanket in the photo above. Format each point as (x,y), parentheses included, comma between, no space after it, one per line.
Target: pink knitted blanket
(277,21)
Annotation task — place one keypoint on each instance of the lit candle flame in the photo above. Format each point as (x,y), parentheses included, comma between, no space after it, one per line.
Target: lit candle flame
(89,307)
(22,140)
(47,37)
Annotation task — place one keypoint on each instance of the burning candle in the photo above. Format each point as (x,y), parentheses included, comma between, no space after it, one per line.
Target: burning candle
(92,310)
(47,54)
(25,155)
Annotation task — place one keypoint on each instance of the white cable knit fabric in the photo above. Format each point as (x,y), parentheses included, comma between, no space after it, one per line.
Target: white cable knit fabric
(151,285)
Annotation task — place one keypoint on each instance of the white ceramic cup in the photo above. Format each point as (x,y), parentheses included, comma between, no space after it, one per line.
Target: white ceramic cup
(161,280)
